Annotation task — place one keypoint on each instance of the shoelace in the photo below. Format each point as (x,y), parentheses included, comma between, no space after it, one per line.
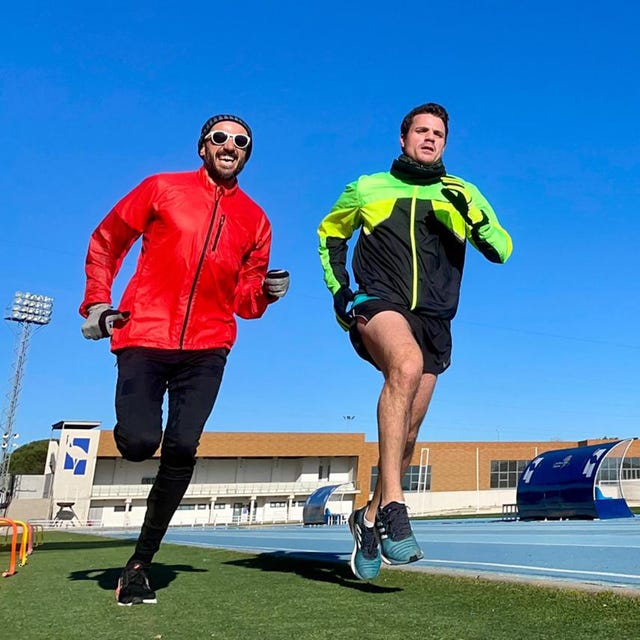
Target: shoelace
(395,521)
(369,541)
(136,576)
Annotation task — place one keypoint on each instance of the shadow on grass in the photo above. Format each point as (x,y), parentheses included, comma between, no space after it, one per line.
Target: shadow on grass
(322,567)
(160,575)
(63,545)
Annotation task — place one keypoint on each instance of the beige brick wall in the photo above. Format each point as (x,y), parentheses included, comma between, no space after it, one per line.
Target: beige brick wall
(453,464)
(249,445)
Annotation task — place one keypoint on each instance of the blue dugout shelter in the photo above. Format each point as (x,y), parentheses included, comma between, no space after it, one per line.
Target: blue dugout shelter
(314,508)
(564,484)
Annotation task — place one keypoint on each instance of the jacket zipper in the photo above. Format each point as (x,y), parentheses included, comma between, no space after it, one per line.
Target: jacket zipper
(218,232)
(201,262)
(414,254)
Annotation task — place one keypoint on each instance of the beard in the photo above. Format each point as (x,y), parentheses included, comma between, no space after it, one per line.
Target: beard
(220,173)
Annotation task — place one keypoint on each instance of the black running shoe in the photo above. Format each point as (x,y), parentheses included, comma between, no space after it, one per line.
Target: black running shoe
(133,586)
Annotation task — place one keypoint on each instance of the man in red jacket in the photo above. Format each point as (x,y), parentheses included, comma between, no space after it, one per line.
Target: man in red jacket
(204,257)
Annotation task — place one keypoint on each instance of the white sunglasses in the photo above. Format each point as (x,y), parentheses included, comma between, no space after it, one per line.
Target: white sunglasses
(240,140)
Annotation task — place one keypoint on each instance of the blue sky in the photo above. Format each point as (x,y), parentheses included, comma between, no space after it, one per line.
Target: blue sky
(543,103)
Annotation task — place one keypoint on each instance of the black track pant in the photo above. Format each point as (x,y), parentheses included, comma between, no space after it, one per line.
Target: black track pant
(192,380)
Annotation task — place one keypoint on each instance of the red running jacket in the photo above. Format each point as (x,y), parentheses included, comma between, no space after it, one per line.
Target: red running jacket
(205,251)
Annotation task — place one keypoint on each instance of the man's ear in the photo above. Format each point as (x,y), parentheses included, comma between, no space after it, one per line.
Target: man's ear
(402,142)
(201,151)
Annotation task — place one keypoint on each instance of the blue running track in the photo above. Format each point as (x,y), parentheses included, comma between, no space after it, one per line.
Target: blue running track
(600,552)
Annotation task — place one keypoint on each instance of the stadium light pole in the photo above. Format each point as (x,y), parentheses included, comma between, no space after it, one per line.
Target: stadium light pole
(30,311)
(347,420)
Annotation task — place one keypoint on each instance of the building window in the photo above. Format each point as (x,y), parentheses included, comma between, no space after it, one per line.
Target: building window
(505,473)
(324,472)
(631,469)
(186,507)
(148,480)
(219,505)
(119,508)
(412,480)
(277,504)
(609,470)
(300,503)
(202,506)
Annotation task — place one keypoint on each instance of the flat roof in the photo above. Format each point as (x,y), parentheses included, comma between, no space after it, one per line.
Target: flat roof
(76,424)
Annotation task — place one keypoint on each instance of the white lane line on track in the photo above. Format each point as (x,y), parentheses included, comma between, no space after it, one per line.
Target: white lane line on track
(528,543)
(426,561)
(532,568)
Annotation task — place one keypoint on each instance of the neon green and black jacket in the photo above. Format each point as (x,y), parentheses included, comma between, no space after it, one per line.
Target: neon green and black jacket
(412,241)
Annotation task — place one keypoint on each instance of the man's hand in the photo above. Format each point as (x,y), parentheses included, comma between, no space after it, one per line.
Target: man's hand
(341,299)
(457,195)
(276,283)
(101,321)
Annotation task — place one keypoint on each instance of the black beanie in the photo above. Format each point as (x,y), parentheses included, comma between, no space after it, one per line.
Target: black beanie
(222,117)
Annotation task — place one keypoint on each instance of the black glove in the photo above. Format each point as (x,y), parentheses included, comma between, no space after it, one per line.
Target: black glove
(276,283)
(341,299)
(457,195)
(101,321)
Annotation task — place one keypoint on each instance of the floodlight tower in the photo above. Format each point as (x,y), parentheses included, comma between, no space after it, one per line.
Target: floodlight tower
(30,312)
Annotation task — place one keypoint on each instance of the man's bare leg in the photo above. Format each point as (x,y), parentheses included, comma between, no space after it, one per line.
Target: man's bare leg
(402,406)
(418,412)
(388,339)
(391,344)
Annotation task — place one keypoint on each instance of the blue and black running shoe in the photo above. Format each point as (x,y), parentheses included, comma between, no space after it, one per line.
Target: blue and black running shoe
(365,559)
(398,543)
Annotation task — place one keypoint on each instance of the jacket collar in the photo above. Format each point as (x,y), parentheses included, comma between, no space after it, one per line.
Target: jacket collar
(214,186)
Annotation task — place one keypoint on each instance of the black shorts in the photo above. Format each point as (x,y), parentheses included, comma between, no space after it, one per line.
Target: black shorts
(433,335)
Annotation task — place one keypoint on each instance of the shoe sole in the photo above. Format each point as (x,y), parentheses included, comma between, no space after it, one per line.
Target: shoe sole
(134,600)
(130,604)
(395,562)
(352,561)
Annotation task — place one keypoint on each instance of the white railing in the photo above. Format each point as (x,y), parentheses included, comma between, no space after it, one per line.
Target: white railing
(219,490)
(66,524)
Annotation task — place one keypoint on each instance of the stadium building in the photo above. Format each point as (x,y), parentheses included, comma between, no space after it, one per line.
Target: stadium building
(267,477)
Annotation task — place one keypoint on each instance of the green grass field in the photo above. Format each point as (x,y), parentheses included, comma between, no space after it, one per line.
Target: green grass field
(66,593)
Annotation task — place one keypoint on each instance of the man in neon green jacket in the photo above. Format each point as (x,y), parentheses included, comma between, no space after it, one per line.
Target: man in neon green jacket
(414,221)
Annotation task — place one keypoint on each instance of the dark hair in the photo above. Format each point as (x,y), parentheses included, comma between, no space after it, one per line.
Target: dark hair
(430,107)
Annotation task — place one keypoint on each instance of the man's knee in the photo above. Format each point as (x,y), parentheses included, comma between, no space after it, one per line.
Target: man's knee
(136,449)
(406,372)
(179,453)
